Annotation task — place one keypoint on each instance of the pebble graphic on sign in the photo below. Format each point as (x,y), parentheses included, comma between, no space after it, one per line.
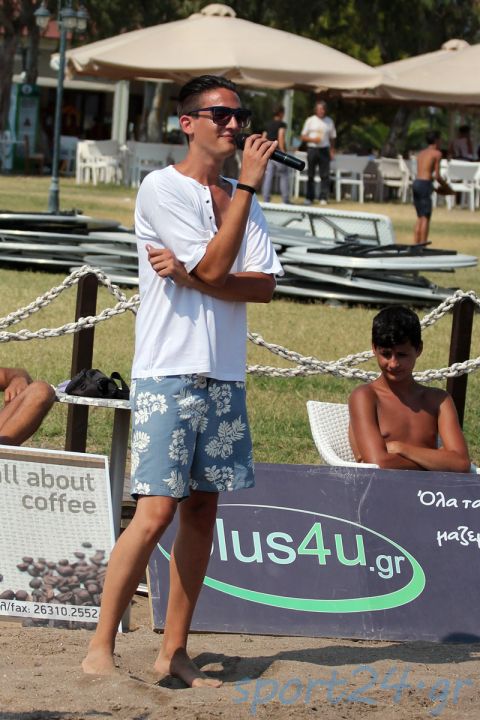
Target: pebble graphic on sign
(56,533)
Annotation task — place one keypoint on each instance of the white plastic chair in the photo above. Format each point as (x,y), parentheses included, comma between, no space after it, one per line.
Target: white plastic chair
(302,177)
(443,172)
(143,157)
(409,174)
(84,164)
(348,170)
(68,153)
(98,161)
(392,175)
(329,425)
(463,177)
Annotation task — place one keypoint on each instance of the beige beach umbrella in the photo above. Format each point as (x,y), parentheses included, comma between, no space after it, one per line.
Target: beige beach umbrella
(450,76)
(215,41)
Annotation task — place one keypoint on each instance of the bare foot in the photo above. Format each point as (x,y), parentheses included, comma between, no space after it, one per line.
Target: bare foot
(99,661)
(181,666)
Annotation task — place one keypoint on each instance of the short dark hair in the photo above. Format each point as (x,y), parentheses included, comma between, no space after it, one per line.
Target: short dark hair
(464,129)
(395,325)
(190,92)
(432,137)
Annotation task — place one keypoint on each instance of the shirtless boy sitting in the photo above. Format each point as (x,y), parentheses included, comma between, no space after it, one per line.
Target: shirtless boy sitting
(428,169)
(395,421)
(25,405)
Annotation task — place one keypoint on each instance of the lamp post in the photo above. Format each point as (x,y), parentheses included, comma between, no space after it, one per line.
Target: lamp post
(68,19)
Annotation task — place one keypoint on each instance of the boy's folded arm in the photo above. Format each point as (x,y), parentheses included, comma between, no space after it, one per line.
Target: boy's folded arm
(439,459)
(368,438)
(452,456)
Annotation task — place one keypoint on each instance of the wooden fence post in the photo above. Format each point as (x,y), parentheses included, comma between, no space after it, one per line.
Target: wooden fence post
(82,356)
(460,342)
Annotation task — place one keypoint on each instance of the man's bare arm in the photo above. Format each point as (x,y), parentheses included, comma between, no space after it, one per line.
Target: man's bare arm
(443,186)
(223,248)
(452,456)
(369,442)
(238,287)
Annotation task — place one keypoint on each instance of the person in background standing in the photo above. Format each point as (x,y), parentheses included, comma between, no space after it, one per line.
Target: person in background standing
(319,134)
(276,130)
(462,147)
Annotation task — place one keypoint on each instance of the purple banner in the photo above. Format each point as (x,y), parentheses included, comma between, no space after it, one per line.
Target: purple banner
(341,552)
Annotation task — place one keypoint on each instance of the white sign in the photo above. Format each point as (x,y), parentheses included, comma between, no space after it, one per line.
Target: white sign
(56,534)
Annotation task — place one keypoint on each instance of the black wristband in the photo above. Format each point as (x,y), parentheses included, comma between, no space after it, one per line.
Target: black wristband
(248,188)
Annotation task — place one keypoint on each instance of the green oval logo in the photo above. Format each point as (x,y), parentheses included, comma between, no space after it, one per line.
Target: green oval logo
(385,601)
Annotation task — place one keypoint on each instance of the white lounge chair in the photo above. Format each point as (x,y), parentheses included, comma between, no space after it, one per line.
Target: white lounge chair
(329,425)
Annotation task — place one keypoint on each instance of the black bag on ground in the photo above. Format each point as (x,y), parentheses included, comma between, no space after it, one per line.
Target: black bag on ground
(94,383)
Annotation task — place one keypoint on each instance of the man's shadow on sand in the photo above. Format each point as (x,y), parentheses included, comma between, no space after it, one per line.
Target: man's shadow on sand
(235,668)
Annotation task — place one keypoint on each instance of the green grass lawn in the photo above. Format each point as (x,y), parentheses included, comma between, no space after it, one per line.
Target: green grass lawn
(277,405)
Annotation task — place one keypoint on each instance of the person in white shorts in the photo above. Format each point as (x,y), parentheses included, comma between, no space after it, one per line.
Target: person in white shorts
(204,252)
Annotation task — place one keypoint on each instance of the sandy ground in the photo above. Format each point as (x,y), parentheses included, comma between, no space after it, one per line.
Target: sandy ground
(284,677)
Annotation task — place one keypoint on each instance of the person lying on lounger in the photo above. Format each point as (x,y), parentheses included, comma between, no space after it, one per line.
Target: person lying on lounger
(26,402)
(395,422)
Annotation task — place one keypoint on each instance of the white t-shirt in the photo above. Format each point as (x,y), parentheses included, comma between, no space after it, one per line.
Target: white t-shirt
(180,330)
(319,127)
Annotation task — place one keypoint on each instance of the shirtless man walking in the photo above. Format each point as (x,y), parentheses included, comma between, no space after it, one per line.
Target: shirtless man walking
(394,421)
(428,169)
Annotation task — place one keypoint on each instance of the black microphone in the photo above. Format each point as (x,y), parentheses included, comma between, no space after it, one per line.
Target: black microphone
(278,155)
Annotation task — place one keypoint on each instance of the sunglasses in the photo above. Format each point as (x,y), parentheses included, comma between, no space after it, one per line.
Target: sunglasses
(222,115)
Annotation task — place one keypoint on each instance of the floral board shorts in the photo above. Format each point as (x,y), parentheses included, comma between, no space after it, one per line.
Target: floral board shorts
(189,432)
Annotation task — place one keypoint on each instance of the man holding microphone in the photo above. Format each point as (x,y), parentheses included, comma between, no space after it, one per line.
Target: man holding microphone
(204,252)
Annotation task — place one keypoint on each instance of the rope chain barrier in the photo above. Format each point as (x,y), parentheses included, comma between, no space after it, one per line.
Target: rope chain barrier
(17,316)
(305,365)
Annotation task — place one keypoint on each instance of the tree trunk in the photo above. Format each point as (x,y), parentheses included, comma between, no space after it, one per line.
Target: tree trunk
(32,55)
(148,92)
(154,125)
(397,136)
(7,56)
